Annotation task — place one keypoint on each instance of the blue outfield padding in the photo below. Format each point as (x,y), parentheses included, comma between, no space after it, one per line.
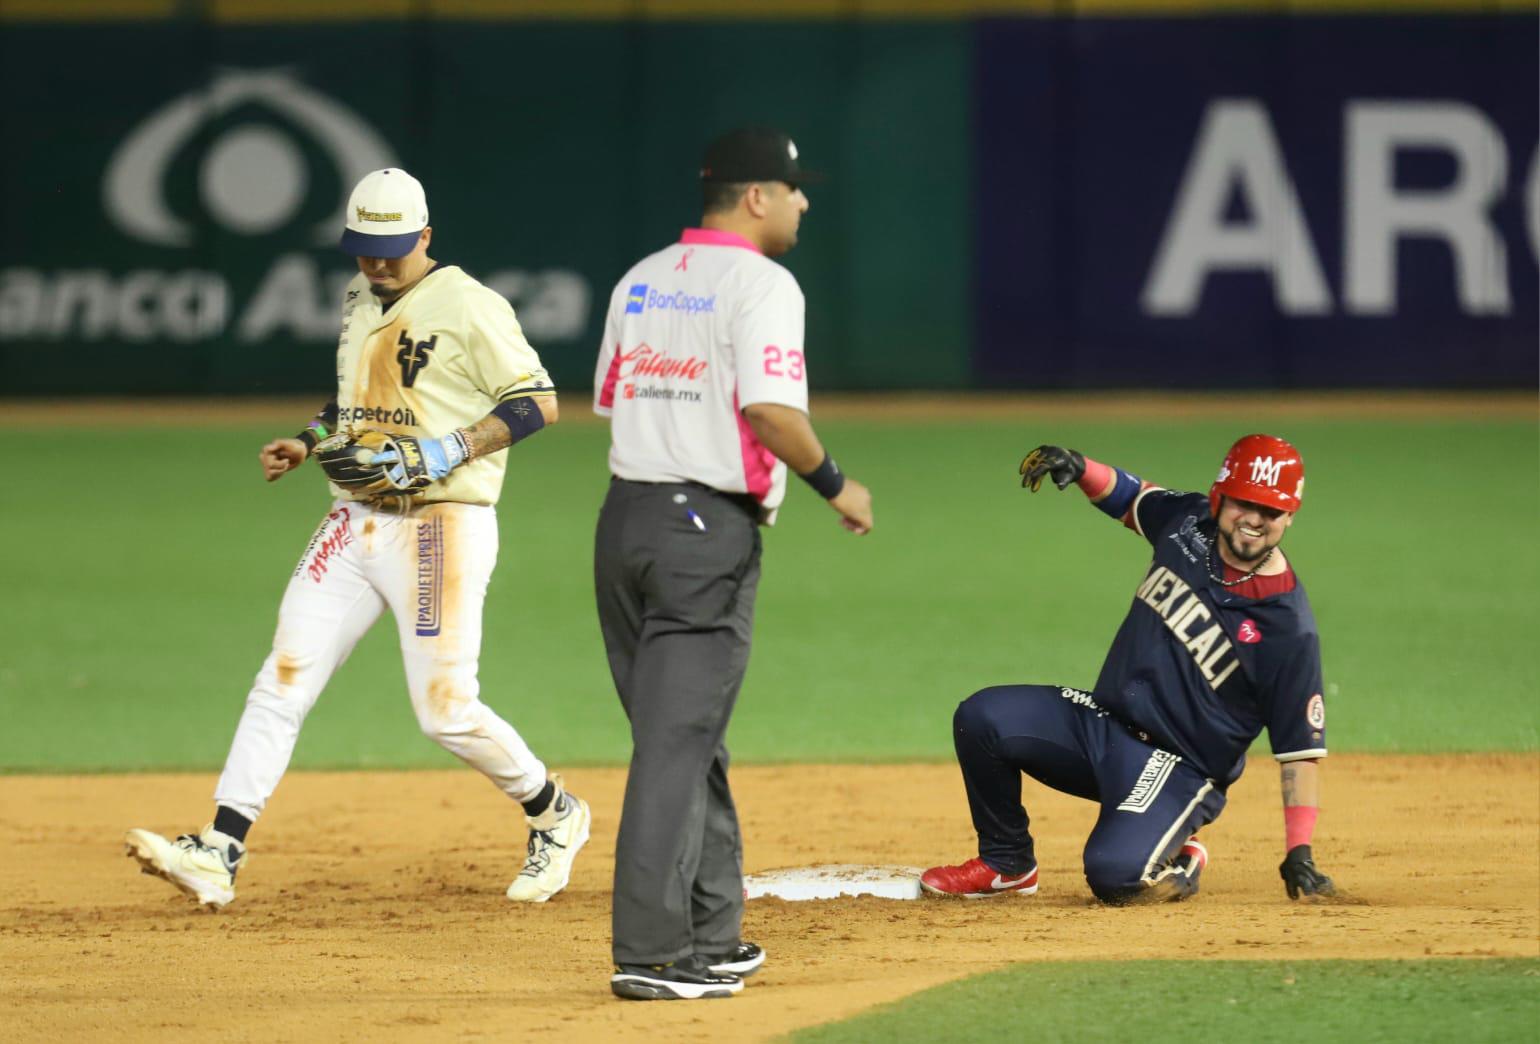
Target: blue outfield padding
(1257,200)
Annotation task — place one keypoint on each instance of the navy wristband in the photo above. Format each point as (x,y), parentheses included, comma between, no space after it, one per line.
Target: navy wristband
(522,415)
(827,479)
(1124,490)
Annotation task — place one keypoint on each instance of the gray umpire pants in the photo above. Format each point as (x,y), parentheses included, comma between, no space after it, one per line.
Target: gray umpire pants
(676,606)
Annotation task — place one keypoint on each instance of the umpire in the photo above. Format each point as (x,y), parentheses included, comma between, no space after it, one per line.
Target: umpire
(703,374)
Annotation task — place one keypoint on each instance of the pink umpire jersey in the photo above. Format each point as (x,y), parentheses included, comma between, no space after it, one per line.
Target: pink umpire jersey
(694,333)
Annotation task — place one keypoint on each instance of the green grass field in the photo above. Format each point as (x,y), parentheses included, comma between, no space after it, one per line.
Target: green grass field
(138,614)
(1260,1002)
(144,569)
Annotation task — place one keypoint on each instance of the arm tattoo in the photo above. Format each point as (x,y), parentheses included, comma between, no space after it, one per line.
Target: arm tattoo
(488,435)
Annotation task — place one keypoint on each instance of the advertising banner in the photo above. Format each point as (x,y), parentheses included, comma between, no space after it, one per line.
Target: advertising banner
(1257,201)
(174,189)
(1249,200)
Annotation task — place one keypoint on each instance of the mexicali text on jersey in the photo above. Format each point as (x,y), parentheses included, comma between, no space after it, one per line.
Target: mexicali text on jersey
(1202,668)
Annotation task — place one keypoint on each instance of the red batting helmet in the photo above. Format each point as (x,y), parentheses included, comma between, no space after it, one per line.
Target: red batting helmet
(1263,469)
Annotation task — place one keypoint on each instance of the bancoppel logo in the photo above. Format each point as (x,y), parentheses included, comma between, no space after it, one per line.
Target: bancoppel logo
(1264,470)
(636,299)
(237,156)
(679,301)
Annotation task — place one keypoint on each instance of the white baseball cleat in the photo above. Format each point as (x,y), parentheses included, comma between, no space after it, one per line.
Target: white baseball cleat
(555,836)
(202,865)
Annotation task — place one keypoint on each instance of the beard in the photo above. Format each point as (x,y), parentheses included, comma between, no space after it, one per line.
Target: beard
(1241,554)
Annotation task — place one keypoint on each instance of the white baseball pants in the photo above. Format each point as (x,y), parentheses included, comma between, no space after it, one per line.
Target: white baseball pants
(430,565)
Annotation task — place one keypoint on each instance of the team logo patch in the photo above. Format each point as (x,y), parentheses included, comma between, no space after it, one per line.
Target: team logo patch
(1265,470)
(1248,632)
(377,215)
(1315,712)
(413,356)
(636,299)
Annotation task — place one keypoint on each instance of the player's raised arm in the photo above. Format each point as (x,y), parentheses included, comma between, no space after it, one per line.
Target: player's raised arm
(1301,783)
(1112,490)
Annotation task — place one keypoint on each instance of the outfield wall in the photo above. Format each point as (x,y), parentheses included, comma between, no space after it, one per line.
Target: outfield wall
(1021,195)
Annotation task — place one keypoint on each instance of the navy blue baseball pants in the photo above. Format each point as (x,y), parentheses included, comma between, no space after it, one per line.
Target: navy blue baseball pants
(1151,800)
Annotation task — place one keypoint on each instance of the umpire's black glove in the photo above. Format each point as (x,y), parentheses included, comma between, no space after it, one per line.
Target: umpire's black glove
(1062,465)
(1300,875)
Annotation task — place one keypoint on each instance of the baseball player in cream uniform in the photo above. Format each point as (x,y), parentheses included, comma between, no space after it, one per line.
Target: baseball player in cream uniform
(424,350)
(703,375)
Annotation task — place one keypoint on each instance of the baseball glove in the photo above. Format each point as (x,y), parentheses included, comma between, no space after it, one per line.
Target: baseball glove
(348,461)
(1063,466)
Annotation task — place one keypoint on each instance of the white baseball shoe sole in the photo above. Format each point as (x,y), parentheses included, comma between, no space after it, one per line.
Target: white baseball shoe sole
(190,863)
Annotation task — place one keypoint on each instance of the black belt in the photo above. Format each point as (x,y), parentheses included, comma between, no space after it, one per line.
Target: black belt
(744,502)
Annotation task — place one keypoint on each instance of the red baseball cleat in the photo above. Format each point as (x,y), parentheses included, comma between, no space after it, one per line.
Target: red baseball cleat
(1197,852)
(976,879)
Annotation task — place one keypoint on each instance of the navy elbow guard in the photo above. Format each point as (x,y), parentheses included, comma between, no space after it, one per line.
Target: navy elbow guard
(522,415)
(1124,490)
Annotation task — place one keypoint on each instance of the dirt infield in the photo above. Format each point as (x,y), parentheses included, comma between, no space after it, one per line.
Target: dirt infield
(372,904)
(290,412)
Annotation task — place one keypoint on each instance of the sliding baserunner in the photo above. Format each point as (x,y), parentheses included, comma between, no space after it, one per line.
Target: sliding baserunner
(1220,643)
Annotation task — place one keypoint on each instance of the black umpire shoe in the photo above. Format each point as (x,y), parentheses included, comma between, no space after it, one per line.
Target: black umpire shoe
(742,960)
(689,978)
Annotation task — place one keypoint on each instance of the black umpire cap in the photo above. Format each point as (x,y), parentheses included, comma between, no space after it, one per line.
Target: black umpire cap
(755,154)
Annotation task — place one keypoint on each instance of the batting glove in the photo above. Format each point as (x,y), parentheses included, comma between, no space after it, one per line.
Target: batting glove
(416,462)
(1062,465)
(1300,875)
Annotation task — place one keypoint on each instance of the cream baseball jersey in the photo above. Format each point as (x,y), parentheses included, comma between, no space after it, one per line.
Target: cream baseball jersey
(440,358)
(694,333)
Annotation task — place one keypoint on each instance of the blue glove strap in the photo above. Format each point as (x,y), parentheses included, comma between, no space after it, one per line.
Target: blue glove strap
(443,455)
(439,456)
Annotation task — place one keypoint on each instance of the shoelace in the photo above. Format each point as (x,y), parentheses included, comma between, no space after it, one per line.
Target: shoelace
(539,857)
(201,845)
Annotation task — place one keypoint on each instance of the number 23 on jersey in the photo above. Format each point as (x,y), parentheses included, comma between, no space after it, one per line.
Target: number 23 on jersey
(784,363)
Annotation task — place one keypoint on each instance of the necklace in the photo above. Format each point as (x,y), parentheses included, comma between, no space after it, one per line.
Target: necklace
(1219,577)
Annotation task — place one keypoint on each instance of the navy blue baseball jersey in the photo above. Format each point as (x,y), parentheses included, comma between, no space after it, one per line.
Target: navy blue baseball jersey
(1202,668)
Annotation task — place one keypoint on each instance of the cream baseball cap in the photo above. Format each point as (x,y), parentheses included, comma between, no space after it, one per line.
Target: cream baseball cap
(386,213)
